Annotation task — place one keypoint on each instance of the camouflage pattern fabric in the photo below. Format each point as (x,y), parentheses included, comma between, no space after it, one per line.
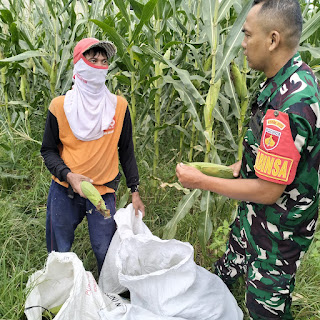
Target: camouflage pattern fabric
(267,242)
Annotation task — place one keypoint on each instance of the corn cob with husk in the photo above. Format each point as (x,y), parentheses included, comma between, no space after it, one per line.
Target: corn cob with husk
(239,81)
(213,169)
(53,76)
(95,198)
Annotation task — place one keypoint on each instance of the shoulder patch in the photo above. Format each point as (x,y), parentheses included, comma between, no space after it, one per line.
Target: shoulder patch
(272,132)
(277,159)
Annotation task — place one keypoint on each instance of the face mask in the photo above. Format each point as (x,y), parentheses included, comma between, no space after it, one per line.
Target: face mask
(89,106)
(88,77)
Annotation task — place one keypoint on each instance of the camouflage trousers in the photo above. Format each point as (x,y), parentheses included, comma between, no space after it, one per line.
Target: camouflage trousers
(269,282)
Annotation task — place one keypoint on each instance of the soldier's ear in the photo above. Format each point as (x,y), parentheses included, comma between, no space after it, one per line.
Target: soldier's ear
(274,40)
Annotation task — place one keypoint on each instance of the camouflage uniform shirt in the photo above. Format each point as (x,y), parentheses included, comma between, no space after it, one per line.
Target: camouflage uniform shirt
(282,145)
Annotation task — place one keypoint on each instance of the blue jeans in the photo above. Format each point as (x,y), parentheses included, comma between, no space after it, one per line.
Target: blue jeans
(64,214)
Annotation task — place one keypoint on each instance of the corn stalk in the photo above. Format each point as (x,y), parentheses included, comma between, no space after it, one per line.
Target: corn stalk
(157,99)
(5,93)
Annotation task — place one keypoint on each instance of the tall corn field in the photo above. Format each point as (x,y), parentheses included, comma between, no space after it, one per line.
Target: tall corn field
(179,64)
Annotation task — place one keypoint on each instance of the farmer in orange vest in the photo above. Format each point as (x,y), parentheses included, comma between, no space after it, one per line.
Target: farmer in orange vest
(87,132)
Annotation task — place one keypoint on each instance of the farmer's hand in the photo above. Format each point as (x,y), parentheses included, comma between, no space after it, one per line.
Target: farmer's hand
(236,168)
(188,176)
(137,203)
(74,179)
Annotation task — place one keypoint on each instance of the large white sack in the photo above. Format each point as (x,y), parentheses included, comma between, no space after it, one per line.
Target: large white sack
(64,281)
(162,277)
(128,224)
(131,312)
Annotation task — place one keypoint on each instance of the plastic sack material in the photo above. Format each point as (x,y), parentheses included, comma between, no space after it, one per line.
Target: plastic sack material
(128,224)
(162,276)
(65,282)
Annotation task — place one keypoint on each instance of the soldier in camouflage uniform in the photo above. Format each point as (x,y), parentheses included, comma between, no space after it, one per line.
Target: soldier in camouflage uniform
(279,187)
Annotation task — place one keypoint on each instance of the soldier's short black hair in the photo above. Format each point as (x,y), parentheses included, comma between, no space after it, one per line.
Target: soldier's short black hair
(286,14)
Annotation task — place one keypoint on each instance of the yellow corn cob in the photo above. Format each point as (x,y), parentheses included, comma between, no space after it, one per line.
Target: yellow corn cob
(95,198)
(213,169)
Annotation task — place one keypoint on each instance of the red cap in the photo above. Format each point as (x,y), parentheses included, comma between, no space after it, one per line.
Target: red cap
(89,43)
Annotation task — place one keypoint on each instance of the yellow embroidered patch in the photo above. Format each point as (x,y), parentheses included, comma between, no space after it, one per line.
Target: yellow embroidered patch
(273,166)
(276,123)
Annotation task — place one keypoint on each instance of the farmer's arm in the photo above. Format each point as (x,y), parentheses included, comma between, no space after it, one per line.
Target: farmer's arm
(252,190)
(129,163)
(49,149)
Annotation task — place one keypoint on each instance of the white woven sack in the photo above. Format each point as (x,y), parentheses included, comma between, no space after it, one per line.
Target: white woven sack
(65,282)
(162,277)
(128,224)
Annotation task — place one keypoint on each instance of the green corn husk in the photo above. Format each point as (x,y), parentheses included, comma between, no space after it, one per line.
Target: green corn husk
(238,81)
(51,313)
(95,198)
(213,169)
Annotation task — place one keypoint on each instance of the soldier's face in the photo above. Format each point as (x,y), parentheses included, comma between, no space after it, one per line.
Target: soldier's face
(255,42)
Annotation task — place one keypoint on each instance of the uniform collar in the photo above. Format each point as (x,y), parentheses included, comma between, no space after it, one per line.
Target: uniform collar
(272,84)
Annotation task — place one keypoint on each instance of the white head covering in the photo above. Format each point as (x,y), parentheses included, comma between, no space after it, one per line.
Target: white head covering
(89,106)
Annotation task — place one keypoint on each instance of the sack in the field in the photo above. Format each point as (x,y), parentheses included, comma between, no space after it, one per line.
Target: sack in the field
(162,276)
(64,282)
(128,224)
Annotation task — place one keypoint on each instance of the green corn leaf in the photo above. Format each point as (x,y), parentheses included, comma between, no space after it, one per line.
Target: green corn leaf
(314,51)
(137,8)
(50,7)
(14,32)
(205,227)
(233,40)
(224,8)
(183,209)
(123,9)
(23,56)
(183,74)
(310,27)
(227,130)
(123,200)
(187,98)
(146,14)
(6,16)
(119,42)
